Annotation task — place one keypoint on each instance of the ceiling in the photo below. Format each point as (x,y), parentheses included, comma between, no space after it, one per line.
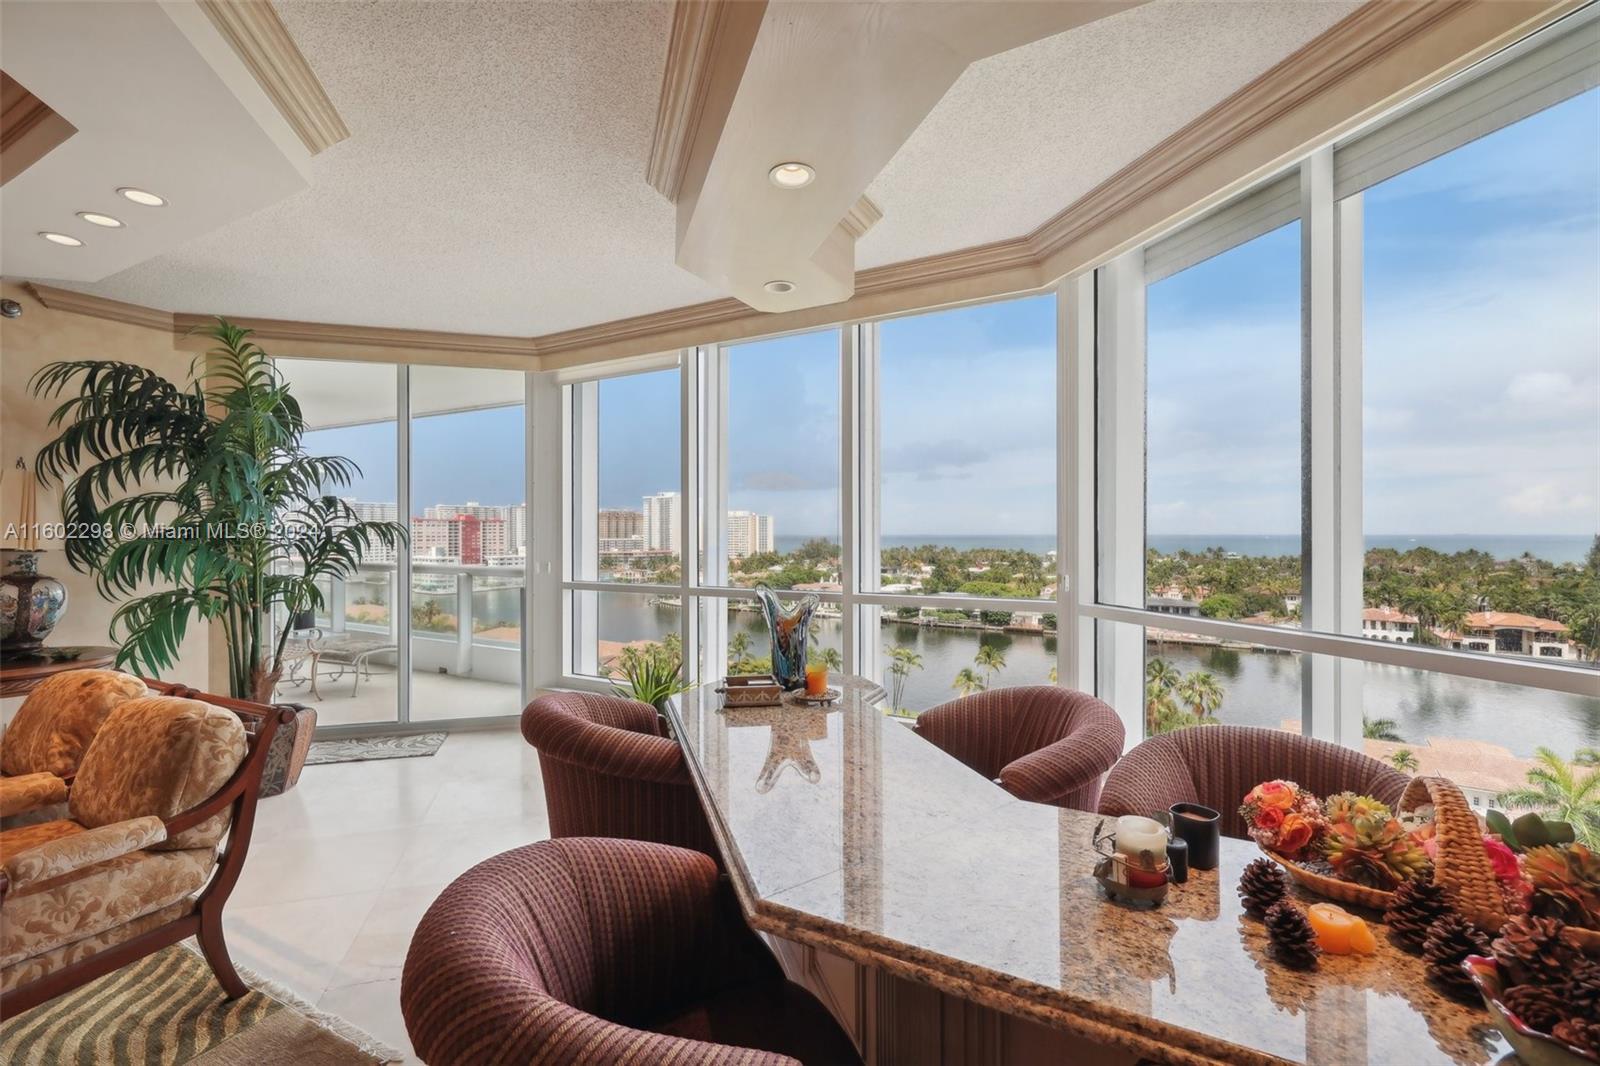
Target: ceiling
(494,179)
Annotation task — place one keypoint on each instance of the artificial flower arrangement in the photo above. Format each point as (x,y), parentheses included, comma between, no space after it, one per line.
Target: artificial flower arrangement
(1539,866)
(1350,837)
(1545,870)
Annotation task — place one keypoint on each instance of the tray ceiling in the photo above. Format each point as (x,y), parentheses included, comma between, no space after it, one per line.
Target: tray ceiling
(494,180)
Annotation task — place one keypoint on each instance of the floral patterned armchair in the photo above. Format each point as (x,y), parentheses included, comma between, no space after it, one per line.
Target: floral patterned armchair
(48,736)
(160,817)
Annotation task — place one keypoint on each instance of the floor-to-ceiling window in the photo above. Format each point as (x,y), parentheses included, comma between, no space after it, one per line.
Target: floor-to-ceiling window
(469,542)
(963,432)
(1325,459)
(1371,496)
(437,632)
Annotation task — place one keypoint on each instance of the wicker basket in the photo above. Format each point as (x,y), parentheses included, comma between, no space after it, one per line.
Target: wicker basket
(1460,862)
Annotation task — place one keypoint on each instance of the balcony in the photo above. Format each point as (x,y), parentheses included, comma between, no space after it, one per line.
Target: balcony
(466,646)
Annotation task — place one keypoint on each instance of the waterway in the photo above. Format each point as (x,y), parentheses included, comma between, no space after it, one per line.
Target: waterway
(1260,688)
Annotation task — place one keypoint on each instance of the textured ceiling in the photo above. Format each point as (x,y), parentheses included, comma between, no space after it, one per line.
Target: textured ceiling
(494,178)
(1025,133)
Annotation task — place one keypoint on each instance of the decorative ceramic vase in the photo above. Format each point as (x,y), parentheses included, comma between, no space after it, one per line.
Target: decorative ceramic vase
(789,627)
(30,604)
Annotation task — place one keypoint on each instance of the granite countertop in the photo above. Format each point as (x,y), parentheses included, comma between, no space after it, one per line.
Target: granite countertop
(844,829)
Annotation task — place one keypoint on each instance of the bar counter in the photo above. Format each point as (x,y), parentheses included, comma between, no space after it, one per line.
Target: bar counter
(846,832)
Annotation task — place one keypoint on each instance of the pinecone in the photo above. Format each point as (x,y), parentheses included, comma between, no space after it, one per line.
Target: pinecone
(1582,991)
(1579,1033)
(1450,940)
(1531,952)
(1292,936)
(1261,885)
(1538,1008)
(1418,903)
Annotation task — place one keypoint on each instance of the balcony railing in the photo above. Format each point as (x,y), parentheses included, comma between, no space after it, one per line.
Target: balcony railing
(466,620)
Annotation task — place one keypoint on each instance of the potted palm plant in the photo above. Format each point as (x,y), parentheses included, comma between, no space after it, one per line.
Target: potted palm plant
(205,490)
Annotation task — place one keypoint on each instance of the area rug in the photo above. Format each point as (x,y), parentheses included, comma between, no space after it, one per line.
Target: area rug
(167,1009)
(360,749)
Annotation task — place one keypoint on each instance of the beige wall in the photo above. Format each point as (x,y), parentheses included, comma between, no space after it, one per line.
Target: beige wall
(43,336)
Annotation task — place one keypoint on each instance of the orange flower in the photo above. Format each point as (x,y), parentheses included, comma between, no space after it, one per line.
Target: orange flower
(1269,818)
(1295,833)
(1274,794)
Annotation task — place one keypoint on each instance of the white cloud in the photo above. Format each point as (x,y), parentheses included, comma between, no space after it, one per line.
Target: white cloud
(1547,499)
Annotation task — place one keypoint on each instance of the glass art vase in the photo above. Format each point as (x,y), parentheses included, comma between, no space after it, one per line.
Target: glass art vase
(789,627)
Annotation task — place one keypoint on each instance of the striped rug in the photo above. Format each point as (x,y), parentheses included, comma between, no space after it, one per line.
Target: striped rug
(168,1009)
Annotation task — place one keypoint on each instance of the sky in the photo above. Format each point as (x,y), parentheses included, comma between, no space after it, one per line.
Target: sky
(1481,382)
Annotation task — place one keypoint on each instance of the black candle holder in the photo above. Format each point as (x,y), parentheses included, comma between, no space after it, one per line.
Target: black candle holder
(1201,828)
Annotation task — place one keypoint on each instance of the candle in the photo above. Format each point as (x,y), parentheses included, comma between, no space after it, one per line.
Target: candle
(1339,932)
(1136,835)
(816,678)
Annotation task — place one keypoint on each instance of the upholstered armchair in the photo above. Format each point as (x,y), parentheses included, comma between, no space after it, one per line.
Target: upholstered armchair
(609,772)
(165,783)
(1216,765)
(1041,743)
(47,737)
(589,950)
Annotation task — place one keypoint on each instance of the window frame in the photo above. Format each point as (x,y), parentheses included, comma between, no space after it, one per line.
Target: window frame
(1100,476)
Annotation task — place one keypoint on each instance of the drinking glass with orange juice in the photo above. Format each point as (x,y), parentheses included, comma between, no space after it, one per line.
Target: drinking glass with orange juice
(816,678)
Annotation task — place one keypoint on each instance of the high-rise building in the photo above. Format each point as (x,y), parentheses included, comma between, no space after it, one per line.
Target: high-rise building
(461,538)
(750,533)
(513,516)
(377,554)
(661,522)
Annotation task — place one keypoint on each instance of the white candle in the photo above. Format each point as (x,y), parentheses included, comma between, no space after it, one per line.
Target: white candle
(1136,834)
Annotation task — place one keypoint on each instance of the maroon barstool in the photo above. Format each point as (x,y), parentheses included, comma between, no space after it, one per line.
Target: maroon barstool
(602,951)
(1042,743)
(609,772)
(1216,765)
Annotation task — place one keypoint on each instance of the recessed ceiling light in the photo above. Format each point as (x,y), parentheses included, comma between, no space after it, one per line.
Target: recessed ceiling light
(779,287)
(95,218)
(139,196)
(791,175)
(61,239)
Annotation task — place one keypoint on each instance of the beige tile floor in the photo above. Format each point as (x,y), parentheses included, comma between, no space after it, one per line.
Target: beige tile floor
(434,697)
(342,867)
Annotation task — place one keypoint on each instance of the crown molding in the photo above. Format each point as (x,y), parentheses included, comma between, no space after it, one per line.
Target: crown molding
(256,34)
(368,343)
(29,128)
(1323,91)
(689,81)
(81,303)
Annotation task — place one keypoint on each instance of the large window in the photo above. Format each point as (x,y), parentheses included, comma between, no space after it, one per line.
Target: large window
(469,542)
(966,494)
(627,517)
(1481,378)
(351,409)
(1223,462)
(1370,495)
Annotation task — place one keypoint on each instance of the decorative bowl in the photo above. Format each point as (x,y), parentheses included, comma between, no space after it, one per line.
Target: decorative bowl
(1533,1047)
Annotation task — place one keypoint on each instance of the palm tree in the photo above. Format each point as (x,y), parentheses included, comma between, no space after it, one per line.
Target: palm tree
(247,523)
(1563,790)
(967,681)
(991,660)
(1380,729)
(902,660)
(1404,761)
(1159,706)
(829,657)
(1159,672)
(738,646)
(1200,691)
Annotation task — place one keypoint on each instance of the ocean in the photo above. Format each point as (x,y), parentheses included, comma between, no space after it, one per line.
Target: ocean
(1555,548)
